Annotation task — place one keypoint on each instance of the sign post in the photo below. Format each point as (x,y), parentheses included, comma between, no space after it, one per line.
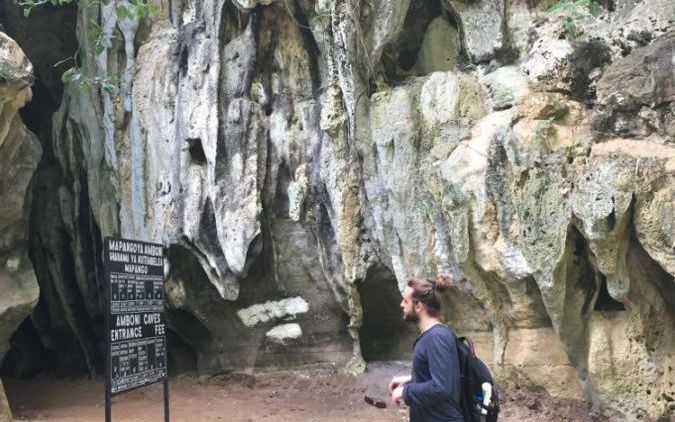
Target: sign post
(136,353)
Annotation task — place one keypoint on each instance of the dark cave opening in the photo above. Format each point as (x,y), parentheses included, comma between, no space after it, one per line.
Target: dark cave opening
(63,335)
(581,280)
(401,58)
(582,275)
(182,358)
(591,283)
(280,206)
(187,337)
(192,332)
(604,301)
(184,338)
(384,334)
(197,155)
(27,355)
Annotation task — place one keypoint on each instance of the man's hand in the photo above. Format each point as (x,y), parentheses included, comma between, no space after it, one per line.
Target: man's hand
(398,381)
(397,395)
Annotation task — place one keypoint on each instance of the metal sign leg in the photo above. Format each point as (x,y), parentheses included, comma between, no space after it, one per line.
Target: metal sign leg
(166,399)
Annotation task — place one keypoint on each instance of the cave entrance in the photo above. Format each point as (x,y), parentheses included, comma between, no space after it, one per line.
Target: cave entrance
(587,285)
(604,301)
(428,42)
(384,334)
(61,337)
(27,355)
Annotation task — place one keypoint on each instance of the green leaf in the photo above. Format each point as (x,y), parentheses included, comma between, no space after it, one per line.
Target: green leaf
(109,88)
(102,40)
(594,9)
(85,84)
(139,10)
(122,12)
(560,7)
(71,75)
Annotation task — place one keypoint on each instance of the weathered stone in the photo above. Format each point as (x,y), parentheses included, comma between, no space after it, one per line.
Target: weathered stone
(440,48)
(19,156)
(545,63)
(519,20)
(644,77)
(250,4)
(284,333)
(623,369)
(635,24)
(15,70)
(537,357)
(431,105)
(649,161)
(482,26)
(385,21)
(5,412)
(550,122)
(505,85)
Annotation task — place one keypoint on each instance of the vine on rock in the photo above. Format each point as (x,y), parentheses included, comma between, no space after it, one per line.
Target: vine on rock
(129,9)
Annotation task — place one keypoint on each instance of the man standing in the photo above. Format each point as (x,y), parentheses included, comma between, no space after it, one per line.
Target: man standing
(433,390)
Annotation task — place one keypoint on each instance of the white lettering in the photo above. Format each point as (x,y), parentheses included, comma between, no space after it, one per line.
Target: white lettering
(126,333)
(119,257)
(135,269)
(127,320)
(151,319)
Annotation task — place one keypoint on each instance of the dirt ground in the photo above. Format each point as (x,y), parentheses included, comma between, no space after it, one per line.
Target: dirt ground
(320,394)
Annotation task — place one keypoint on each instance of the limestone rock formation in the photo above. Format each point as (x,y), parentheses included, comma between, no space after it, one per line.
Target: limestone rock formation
(482,26)
(19,155)
(5,412)
(302,160)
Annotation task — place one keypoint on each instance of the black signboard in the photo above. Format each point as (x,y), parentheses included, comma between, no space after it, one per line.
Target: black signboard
(136,352)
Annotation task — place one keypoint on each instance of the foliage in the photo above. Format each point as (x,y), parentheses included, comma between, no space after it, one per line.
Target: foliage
(74,75)
(138,9)
(29,5)
(133,9)
(573,11)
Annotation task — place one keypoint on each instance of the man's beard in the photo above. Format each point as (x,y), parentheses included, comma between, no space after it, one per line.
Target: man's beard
(410,316)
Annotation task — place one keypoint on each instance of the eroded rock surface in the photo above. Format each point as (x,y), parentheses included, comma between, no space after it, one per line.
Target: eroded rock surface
(19,155)
(5,411)
(322,153)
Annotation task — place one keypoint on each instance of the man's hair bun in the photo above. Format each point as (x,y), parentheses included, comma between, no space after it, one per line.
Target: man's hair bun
(442,282)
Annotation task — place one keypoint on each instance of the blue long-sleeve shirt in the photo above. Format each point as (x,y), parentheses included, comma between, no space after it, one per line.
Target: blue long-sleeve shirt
(433,393)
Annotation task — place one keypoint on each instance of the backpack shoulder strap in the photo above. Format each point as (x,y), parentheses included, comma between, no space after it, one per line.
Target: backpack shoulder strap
(469,344)
(463,357)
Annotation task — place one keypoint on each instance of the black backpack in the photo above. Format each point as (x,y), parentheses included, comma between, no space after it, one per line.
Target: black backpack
(473,373)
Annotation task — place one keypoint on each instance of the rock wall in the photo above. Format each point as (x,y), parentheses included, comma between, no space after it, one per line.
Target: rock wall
(302,159)
(19,155)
